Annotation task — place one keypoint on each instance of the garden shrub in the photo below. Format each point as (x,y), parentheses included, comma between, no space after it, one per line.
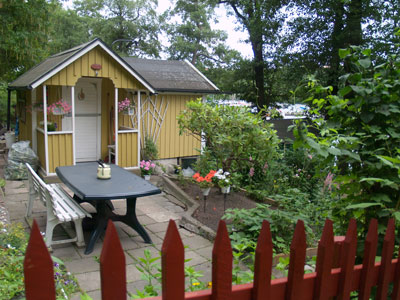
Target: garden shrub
(13,243)
(245,224)
(360,132)
(236,140)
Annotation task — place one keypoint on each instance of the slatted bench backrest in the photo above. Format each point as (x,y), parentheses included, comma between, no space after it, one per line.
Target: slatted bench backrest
(38,184)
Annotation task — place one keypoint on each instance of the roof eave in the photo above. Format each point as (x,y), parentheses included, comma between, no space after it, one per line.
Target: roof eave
(191,91)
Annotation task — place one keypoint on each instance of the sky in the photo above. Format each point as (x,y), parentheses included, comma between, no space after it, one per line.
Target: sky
(235,38)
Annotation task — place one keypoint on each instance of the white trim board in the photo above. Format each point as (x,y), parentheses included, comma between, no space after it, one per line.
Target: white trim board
(82,52)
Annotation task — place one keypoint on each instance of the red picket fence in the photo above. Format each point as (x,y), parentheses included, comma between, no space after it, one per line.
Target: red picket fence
(327,282)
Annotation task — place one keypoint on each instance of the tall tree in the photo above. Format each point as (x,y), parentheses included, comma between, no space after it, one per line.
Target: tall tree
(132,24)
(192,37)
(263,20)
(68,29)
(23,35)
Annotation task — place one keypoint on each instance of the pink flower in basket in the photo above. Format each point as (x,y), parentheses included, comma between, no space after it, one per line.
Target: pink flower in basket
(147,167)
(125,105)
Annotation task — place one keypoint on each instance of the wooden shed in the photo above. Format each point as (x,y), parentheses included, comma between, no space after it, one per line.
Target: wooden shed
(79,94)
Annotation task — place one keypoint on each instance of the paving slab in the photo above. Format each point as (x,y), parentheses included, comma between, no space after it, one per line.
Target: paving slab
(154,213)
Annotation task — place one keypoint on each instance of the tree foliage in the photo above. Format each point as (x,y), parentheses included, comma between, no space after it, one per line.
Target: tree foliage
(132,24)
(232,135)
(359,131)
(263,21)
(24,29)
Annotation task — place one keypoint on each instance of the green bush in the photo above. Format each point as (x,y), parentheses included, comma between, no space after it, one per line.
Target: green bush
(359,134)
(245,224)
(13,242)
(235,140)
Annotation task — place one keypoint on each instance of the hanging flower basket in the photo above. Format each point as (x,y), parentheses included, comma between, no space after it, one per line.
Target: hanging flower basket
(225,189)
(58,111)
(129,112)
(205,191)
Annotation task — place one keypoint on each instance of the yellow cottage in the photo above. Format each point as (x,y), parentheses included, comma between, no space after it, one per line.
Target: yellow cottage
(82,95)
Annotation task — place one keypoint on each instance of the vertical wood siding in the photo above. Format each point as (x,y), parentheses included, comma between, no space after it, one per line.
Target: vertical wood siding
(60,151)
(127,149)
(170,144)
(41,149)
(24,117)
(81,67)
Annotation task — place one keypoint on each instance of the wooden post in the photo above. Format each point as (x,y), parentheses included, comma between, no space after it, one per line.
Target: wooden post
(172,261)
(387,254)
(347,264)
(222,265)
(263,264)
(112,266)
(324,262)
(297,260)
(370,245)
(38,268)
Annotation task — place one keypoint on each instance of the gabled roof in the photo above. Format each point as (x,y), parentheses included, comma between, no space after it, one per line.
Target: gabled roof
(156,75)
(52,65)
(172,75)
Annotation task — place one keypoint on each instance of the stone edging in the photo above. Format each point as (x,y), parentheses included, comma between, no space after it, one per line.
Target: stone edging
(187,221)
(191,224)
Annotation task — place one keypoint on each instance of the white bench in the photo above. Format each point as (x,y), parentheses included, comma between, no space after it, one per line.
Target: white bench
(61,208)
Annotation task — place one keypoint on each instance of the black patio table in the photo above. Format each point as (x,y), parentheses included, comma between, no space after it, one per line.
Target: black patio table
(82,180)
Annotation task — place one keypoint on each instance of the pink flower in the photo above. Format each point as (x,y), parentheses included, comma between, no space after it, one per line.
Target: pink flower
(146,168)
(251,173)
(328,182)
(153,165)
(309,156)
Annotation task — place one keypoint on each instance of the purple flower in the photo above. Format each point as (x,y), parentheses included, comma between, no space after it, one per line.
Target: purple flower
(328,182)
(251,173)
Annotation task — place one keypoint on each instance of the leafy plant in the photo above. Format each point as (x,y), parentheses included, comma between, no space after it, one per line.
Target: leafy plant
(13,242)
(233,136)
(150,151)
(359,132)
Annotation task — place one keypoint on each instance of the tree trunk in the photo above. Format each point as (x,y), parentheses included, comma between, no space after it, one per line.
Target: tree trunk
(257,46)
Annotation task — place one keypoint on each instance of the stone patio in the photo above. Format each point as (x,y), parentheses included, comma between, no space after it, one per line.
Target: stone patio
(153,212)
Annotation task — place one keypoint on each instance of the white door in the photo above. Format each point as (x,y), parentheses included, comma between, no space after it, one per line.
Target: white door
(87,119)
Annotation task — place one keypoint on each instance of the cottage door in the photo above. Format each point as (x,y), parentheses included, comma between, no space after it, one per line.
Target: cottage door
(87,119)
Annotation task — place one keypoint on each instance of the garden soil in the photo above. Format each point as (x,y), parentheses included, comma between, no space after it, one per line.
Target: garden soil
(214,204)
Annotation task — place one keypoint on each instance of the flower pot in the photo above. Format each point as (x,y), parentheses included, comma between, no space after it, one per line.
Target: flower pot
(205,191)
(225,189)
(147,177)
(129,112)
(58,111)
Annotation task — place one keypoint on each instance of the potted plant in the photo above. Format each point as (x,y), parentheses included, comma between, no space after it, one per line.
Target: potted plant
(205,183)
(125,106)
(146,169)
(60,107)
(223,181)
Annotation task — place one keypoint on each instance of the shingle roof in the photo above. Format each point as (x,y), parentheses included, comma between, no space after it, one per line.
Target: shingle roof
(171,75)
(158,75)
(43,68)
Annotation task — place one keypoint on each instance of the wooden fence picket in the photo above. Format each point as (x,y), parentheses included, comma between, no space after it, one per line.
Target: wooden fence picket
(112,266)
(172,261)
(38,268)
(348,255)
(327,282)
(297,261)
(396,280)
(221,265)
(324,262)
(387,254)
(263,264)
(370,245)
